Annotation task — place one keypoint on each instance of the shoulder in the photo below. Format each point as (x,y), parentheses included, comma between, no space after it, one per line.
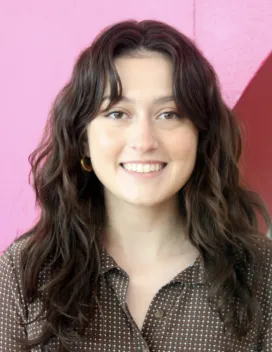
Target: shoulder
(264,288)
(265,249)
(12,302)
(10,259)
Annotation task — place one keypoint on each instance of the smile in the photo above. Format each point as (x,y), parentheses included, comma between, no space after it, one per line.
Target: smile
(144,170)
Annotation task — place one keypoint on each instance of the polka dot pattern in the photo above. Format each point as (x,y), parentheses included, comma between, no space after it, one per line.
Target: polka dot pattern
(179,317)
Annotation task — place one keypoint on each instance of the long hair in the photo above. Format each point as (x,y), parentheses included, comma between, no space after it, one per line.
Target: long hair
(222,214)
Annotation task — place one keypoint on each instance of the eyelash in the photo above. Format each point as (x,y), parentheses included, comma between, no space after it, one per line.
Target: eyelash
(166,112)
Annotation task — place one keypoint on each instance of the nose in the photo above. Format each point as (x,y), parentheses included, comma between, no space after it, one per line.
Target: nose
(142,135)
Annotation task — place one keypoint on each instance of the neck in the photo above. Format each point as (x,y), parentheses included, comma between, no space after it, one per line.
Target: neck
(142,232)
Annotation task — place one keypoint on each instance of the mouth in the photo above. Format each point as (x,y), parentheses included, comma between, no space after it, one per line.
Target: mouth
(144,169)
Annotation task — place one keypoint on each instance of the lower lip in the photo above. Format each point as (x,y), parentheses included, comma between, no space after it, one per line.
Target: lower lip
(144,174)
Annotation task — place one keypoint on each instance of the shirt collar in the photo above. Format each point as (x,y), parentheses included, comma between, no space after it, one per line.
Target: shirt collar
(107,262)
(192,275)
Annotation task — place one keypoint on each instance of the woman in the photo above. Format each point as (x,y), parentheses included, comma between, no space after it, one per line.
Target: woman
(147,239)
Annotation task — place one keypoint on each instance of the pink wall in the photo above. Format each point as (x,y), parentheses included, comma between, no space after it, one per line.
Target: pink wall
(40,41)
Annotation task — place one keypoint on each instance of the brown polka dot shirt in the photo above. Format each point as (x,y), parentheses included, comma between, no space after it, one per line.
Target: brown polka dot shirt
(179,317)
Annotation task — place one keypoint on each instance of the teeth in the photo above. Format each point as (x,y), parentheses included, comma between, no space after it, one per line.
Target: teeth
(143,167)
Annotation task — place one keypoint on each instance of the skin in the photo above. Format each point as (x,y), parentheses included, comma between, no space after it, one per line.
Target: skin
(144,226)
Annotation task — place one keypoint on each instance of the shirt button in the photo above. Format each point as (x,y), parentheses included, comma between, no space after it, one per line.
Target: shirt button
(145,349)
(158,314)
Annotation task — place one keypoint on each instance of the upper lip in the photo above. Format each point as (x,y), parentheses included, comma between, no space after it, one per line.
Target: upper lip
(143,162)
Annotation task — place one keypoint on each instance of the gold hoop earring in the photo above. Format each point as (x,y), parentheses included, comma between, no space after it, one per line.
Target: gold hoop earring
(88,167)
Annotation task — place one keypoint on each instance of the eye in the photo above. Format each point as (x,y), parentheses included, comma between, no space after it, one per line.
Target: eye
(115,115)
(169,115)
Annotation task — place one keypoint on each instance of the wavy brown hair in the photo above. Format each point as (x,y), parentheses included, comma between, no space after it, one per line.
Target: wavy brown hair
(222,214)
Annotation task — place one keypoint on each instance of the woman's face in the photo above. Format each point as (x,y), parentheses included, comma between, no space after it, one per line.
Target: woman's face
(141,150)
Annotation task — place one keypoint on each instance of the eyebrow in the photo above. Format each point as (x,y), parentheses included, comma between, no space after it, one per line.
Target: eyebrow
(158,100)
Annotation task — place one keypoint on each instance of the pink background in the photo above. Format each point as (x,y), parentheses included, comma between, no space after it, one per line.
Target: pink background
(40,41)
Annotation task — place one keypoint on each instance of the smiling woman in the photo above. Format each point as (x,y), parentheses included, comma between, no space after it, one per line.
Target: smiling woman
(148,238)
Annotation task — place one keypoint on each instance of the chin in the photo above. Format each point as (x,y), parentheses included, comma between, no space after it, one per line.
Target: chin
(144,201)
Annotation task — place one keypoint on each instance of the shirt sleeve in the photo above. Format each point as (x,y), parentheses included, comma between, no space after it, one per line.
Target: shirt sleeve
(265,341)
(11,306)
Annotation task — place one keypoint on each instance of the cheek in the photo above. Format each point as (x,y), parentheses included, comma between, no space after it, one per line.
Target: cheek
(184,146)
(102,140)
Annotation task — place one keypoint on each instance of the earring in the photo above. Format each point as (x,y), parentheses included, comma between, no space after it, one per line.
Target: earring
(87,167)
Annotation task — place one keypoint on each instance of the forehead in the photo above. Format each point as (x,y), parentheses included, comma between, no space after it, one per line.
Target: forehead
(144,75)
